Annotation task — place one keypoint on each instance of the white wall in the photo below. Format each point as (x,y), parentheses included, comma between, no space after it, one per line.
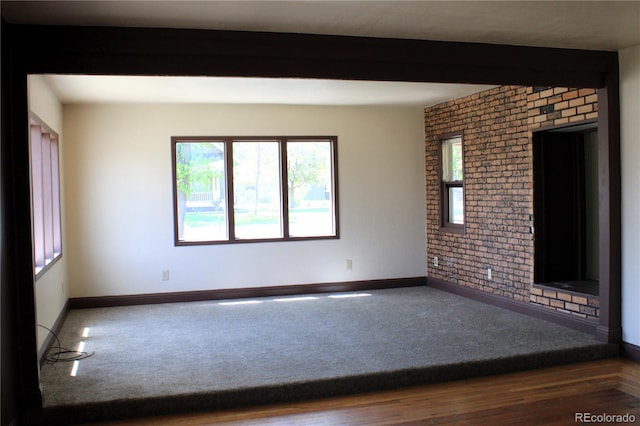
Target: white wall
(630,150)
(51,287)
(119,198)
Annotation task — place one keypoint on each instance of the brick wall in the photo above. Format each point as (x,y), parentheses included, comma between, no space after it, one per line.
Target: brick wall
(557,106)
(560,106)
(498,193)
(497,127)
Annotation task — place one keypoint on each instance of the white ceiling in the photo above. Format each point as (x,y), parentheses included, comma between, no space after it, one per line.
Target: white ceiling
(593,25)
(117,89)
(602,25)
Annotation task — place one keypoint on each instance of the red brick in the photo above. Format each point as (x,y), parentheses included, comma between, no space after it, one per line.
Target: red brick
(546,93)
(497,125)
(585,109)
(579,299)
(586,92)
(572,307)
(576,102)
(557,303)
(564,296)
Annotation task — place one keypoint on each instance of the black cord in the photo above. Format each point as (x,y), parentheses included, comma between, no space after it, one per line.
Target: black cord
(62,354)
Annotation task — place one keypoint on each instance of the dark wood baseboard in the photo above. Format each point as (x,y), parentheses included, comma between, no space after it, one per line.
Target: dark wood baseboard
(585,325)
(606,333)
(242,293)
(630,351)
(56,327)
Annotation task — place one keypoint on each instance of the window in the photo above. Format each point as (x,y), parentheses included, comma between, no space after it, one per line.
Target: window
(452,183)
(247,189)
(45,195)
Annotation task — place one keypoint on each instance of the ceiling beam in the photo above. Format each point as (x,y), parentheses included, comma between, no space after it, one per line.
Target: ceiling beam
(178,52)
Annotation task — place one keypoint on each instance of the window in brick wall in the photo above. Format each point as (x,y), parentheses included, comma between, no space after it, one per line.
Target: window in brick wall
(249,189)
(452,183)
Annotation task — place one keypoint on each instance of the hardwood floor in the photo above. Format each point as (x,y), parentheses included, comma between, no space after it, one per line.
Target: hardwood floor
(550,396)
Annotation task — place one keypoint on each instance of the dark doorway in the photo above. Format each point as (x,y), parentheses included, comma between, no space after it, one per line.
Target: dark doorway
(566,208)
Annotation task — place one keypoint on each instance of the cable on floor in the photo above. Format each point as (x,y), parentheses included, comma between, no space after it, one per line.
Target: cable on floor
(59,354)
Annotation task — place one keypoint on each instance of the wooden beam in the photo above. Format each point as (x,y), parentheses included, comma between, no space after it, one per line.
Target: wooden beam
(135,51)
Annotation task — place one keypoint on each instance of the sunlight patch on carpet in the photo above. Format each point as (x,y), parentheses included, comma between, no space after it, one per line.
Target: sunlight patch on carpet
(295,299)
(240,302)
(348,296)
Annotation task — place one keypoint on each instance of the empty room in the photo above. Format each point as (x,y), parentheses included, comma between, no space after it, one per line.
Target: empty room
(203,219)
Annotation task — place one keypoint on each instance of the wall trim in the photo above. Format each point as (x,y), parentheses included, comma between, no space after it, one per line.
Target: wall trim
(56,327)
(567,126)
(630,351)
(580,324)
(608,333)
(242,293)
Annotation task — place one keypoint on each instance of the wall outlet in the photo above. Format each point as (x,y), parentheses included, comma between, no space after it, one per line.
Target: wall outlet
(349,264)
(435,261)
(165,275)
(489,273)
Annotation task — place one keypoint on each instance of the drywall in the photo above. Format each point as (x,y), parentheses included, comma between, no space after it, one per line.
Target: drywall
(51,287)
(119,198)
(630,151)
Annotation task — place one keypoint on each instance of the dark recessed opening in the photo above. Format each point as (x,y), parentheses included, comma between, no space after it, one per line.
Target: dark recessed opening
(566,208)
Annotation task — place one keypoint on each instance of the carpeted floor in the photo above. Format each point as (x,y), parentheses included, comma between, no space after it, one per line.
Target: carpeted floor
(156,359)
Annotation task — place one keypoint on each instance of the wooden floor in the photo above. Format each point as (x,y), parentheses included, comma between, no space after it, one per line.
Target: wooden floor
(550,396)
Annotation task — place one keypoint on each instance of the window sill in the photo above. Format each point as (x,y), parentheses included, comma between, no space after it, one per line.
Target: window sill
(39,271)
(254,240)
(453,229)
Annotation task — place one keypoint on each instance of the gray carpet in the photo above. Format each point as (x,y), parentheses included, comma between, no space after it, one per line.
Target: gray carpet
(155,359)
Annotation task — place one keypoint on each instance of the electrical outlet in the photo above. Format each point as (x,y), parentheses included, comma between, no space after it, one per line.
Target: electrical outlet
(489,273)
(165,275)
(349,263)
(435,261)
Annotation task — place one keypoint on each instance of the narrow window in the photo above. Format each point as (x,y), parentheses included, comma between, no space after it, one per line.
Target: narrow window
(452,183)
(310,185)
(200,191)
(250,189)
(45,195)
(257,190)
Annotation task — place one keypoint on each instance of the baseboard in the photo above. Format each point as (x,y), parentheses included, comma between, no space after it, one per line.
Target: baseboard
(585,325)
(56,327)
(609,334)
(242,293)
(630,351)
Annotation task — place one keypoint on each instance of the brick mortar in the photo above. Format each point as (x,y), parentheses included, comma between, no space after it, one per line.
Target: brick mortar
(497,125)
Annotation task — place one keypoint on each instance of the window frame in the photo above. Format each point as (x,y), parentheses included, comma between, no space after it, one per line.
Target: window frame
(46,214)
(444,185)
(282,141)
